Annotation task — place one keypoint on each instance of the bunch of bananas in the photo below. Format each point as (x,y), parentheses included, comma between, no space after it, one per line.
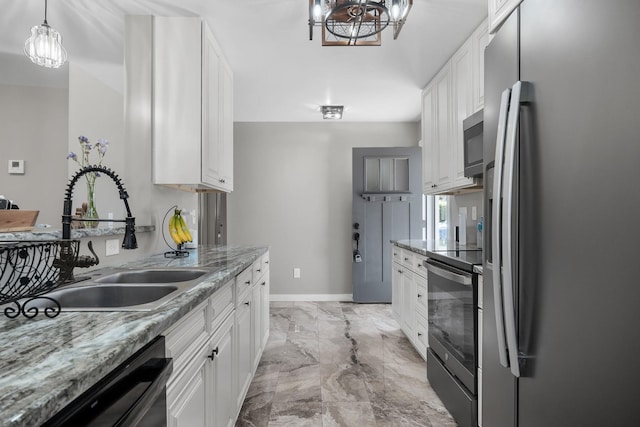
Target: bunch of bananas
(178,228)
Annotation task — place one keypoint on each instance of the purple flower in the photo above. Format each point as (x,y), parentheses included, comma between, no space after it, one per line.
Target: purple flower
(87,148)
(83,139)
(72,155)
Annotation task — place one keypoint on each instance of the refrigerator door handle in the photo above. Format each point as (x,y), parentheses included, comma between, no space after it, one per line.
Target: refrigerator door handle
(496,234)
(519,94)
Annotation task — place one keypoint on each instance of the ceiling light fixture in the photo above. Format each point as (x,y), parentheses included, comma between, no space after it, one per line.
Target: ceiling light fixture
(356,22)
(44,47)
(332,112)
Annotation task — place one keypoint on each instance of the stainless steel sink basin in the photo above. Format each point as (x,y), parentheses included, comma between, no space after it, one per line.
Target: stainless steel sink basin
(112,289)
(152,276)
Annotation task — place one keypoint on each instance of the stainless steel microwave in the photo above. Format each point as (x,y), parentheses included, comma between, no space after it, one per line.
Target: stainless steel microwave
(472,140)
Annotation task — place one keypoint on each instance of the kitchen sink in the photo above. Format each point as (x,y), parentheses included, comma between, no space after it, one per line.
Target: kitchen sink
(112,289)
(152,276)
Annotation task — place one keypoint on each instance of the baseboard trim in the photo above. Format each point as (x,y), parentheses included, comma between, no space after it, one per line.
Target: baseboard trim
(311,297)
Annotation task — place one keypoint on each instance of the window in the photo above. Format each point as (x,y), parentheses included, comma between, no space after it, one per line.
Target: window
(435,214)
(386,174)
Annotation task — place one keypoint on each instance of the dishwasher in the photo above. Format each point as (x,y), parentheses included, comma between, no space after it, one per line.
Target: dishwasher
(133,394)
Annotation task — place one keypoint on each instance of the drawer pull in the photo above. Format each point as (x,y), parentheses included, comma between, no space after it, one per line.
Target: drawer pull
(399,271)
(247,303)
(419,295)
(419,334)
(406,259)
(248,282)
(258,270)
(264,283)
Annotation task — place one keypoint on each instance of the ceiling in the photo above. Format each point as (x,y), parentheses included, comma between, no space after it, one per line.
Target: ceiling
(280,75)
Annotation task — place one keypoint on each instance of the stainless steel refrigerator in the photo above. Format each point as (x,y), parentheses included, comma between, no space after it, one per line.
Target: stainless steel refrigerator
(561,324)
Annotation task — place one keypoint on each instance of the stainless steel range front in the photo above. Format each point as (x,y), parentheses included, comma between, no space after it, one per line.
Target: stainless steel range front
(453,336)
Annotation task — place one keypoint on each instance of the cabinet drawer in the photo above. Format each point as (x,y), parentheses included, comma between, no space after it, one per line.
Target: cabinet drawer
(185,338)
(396,254)
(257,270)
(407,259)
(418,265)
(244,281)
(421,297)
(221,304)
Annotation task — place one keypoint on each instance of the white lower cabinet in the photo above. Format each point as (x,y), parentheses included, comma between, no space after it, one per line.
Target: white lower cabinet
(187,397)
(216,349)
(409,297)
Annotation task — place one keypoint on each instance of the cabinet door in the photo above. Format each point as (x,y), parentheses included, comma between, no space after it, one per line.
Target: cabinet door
(265,286)
(408,304)
(396,291)
(444,144)
(480,41)
(221,375)
(187,396)
(243,351)
(226,126)
(429,164)
(211,160)
(256,326)
(462,90)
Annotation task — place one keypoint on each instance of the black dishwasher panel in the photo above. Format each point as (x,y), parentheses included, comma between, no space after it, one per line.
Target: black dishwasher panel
(133,394)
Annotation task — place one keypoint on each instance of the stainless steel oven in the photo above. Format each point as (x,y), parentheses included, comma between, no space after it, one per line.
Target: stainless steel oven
(451,359)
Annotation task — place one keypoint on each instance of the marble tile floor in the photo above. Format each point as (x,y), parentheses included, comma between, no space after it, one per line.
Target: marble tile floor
(340,364)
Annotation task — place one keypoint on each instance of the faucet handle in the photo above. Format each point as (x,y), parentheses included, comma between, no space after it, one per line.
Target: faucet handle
(85,261)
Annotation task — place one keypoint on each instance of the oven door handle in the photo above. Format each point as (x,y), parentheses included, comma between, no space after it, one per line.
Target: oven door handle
(461,279)
(136,412)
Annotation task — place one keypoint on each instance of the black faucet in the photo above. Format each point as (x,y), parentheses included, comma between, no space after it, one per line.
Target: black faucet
(67,261)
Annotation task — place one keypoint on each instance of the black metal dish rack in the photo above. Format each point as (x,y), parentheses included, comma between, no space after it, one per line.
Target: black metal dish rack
(30,269)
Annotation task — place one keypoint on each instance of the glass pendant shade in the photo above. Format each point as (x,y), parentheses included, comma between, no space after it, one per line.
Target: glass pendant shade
(44,47)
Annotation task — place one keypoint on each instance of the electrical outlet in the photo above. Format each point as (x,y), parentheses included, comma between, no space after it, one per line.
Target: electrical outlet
(112,247)
(296,273)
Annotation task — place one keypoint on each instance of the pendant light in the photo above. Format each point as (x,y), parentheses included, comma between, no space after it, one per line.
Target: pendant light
(44,47)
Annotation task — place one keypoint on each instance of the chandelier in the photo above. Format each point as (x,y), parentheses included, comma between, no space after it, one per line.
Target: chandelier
(356,22)
(44,47)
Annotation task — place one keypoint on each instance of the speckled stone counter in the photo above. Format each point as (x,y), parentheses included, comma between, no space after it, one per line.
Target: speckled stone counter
(46,363)
(76,233)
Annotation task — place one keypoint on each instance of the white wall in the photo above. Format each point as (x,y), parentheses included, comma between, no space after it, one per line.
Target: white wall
(33,128)
(292,191)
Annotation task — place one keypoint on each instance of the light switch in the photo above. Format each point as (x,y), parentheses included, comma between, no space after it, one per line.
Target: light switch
(296,273)
(474,213)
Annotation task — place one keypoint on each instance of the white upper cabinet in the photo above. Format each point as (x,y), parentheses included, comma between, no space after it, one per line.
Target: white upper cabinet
(499,10)
(455,93)
(192,107)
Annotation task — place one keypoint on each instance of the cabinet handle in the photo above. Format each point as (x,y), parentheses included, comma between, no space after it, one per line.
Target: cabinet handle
(222,180)
(258,270)
(264,283)
(248,282)
(266,262)
(395,254)
(419,295)
(247,303)
(419,265)
(406,259)
(213,354)
(419,334)
(399,271)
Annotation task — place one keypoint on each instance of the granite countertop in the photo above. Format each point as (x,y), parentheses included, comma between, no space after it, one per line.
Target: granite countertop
(76,233)
(423,247)
(46,363)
